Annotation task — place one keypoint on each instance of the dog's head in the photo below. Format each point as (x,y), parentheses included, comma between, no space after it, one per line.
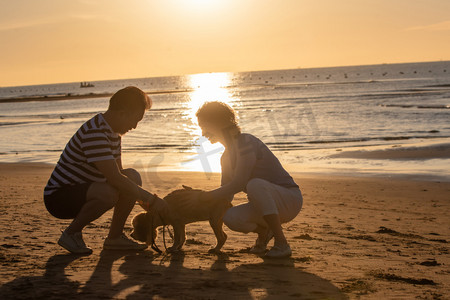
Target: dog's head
(144,227)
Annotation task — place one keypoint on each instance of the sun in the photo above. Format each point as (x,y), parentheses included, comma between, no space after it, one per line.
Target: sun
(200,5)
(202,2)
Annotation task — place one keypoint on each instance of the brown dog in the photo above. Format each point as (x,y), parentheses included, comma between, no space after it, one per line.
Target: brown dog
(180,214)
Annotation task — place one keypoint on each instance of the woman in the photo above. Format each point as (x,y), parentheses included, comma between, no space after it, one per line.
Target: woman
(248,165)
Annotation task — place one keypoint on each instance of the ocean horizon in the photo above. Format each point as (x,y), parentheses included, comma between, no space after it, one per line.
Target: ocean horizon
(306,116)
(77,83)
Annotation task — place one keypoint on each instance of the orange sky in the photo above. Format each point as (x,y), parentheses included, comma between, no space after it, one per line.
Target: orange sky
(84,40)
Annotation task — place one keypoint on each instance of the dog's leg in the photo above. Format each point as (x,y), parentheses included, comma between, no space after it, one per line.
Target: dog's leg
(179,237)
(216,223)
(182,239)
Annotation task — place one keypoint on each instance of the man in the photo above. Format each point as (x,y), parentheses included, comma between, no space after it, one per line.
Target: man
(89,179)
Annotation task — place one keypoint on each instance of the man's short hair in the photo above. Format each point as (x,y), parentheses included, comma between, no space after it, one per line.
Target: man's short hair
(130,98)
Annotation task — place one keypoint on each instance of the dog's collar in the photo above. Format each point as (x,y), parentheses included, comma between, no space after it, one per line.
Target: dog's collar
(153,245)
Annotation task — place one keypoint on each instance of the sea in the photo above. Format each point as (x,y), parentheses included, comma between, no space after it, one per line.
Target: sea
(304,115)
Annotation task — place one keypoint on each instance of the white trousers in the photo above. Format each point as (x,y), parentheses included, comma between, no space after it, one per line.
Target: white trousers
(264,198)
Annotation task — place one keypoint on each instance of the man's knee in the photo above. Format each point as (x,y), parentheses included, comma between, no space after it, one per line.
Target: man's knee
(103,193)
(133,175)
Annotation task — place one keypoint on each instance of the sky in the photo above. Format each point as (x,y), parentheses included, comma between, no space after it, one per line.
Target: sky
(53,41)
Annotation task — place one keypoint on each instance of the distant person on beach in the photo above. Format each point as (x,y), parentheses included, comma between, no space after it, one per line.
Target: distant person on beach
(248,165)
(89,179)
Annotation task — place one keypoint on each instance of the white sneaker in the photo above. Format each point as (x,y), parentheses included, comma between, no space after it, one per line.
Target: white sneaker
(74,243)
(278,252)
(122,243)
(261,244)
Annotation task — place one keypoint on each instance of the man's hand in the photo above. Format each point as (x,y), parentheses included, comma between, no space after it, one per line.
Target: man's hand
(146,200)
(151,202)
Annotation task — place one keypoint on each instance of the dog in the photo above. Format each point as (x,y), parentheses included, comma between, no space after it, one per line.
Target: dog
(146,223)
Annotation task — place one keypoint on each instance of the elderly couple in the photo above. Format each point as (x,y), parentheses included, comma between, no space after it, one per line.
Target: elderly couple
(89,178)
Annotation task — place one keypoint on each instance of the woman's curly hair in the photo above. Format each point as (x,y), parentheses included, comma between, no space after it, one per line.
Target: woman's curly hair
(218,113)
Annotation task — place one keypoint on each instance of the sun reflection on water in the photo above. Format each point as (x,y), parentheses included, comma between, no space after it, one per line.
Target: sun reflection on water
(206,87)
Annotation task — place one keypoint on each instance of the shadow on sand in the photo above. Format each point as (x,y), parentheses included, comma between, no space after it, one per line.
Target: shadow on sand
(54,284)
(145,275)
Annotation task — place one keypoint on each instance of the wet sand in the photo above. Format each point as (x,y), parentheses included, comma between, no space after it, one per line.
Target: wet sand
(373,238)
(420,151)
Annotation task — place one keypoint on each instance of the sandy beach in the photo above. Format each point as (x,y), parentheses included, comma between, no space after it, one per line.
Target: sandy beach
(356,237)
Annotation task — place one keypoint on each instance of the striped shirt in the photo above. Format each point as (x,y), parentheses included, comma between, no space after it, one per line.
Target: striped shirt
(94,141)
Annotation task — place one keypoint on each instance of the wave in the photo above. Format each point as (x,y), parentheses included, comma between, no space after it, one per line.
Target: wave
(340,97)
(434,106)
(157,147)
(278,146)
(419,152)
(18,123)
(57,117)
(437,106)
(277,85)
(386,138)
(439,85)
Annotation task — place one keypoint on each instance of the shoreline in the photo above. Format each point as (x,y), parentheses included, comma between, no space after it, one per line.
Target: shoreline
(347,174)
(408,151)
(422,160)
